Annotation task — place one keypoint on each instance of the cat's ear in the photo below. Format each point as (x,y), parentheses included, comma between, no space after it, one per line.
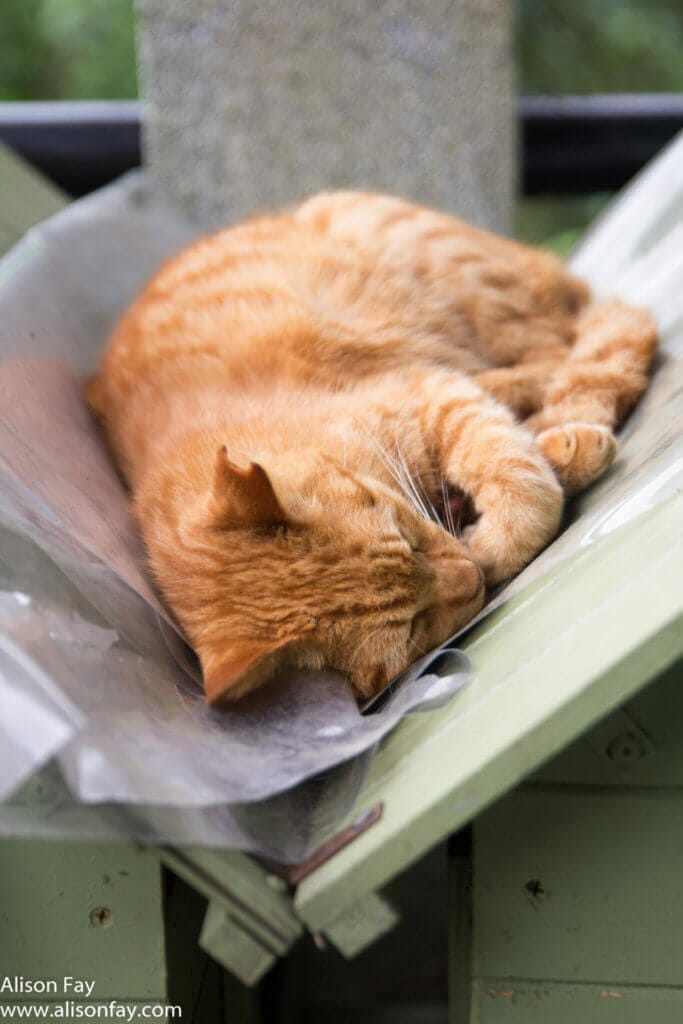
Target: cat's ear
(237,669)
(244,496)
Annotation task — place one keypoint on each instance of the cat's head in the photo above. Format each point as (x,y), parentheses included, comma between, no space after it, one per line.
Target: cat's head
(302,562)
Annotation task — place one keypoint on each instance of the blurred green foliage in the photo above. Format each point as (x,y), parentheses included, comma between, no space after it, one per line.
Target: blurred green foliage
(67,49)
(84,49)
(557,222)
(585,46)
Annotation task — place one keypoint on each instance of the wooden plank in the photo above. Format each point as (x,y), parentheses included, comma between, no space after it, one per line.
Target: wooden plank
(244,889)
(500,1001)
(362,924)
(555,659)
(640,745)
(578,885)
(234,948)
(84,910)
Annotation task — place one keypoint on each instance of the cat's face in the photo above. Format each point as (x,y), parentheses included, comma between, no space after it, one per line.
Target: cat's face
(307,564)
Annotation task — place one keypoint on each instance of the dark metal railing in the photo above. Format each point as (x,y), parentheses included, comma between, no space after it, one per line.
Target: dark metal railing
(80,146)
(579,144)
(569,144)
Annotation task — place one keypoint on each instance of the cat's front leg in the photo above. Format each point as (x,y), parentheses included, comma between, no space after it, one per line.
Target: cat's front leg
(485,452)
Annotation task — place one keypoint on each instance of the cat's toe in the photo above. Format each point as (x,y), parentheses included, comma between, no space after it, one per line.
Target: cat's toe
(580,453)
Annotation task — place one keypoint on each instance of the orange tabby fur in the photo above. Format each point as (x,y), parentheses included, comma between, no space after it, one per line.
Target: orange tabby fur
(290,398)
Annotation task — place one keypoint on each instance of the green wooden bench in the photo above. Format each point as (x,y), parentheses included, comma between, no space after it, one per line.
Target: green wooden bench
(566,752)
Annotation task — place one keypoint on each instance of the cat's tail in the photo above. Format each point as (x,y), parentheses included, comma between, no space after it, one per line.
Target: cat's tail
(607,369)
(615,346)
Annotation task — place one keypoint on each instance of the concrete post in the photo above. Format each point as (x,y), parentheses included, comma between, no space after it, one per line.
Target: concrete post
(254,103)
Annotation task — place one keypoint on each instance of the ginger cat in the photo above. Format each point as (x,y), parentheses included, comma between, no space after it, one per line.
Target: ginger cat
(296,404)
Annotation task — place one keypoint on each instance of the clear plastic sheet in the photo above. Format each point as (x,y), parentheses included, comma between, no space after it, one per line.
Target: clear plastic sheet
(98,677)
(28,695)
(137,750)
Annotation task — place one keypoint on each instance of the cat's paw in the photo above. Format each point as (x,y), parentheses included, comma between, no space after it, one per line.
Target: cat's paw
(507,537)
(580,453)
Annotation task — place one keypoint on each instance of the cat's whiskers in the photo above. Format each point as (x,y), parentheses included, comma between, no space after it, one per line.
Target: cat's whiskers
(393,468)
(417,647)
(364,642)
(409,490)
(406,476)
(448,511)
(415,481)
(434,511)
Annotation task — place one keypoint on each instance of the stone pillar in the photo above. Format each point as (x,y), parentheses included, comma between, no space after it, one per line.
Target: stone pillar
(250,104)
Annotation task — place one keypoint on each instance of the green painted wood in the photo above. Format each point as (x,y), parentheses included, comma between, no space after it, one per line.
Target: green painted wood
(498,1001)
(223,938)
(26,198)
(52,921)
(639,745)
(362,924)
(550,663)
(580,885)
(251,896)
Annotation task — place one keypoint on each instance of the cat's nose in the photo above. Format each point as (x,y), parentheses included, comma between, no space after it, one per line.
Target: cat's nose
(472,578)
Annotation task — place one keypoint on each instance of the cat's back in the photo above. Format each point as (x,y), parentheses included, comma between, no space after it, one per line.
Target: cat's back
(346,285)
(234,275)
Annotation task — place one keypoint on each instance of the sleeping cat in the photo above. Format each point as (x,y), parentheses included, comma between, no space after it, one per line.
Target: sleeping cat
(298,404)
